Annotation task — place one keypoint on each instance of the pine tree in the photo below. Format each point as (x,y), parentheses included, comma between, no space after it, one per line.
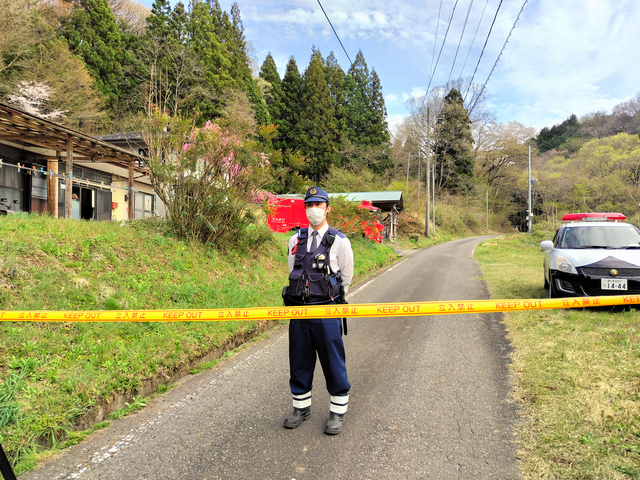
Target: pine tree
(291,89)
(336,81)
(207,46)
(358,105)
(230,32)
(318,140)
(93,34)
(269,72)
(168,64)
(454,145)
(379,133)
(178,24)
(159,18)
(315,52)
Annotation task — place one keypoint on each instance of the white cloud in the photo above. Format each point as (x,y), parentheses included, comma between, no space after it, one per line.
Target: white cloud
(569,56)
(394,122)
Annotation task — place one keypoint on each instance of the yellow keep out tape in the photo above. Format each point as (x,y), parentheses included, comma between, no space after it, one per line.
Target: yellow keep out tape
(364,310)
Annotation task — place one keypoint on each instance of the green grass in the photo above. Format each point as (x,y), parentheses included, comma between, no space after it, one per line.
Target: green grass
(53,373)
(577,373)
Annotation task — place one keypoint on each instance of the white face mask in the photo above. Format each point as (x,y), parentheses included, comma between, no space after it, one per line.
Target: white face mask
(316,215)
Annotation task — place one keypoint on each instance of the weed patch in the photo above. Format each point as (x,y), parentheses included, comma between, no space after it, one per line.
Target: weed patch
(53,374)
(576,371)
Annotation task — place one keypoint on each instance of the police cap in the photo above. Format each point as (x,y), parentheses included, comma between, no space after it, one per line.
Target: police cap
(316,194)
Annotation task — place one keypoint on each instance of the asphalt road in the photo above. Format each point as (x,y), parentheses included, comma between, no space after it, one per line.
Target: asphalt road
(430,399)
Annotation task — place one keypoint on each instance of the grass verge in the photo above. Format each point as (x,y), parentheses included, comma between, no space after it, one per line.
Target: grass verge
(577,373)
(51,375)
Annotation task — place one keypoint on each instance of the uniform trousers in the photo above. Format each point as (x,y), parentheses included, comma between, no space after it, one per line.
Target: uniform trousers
(324,336)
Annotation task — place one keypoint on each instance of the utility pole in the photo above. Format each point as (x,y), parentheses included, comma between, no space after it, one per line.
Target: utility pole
(529,213)
(408,163)
(487,210)
(433,195)
(418,173)
(427,230)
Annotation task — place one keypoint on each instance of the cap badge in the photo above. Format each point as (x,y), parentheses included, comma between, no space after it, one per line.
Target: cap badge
(313,191)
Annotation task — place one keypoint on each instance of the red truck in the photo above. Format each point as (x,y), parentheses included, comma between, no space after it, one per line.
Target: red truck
(288,214)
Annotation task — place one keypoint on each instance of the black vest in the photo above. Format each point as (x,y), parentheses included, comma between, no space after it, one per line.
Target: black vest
(312,280)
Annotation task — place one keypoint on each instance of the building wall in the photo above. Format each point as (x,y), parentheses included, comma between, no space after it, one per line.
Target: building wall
(122,211)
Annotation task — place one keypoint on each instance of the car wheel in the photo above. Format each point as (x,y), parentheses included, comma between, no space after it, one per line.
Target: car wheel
(552,290)
(546,283)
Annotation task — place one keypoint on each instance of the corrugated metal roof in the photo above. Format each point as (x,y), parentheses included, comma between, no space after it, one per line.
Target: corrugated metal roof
(111,137)
(395,196)
(23,129)
(386,201)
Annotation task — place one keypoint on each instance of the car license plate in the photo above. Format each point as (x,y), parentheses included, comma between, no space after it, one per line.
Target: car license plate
(613,283)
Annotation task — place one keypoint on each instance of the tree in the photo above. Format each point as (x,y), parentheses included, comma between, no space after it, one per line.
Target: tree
(32,97)
(172,77)
(556,136)
(291,90)
(92,33)
(619,154)
(21,30)
(158,22)
(205,41)
(505,147)
(269,72)
(358,104)
(379,132)
(454,145)
(336,82)
(38,71)
(240,63)
(318,139)
(131,13)
(630,107)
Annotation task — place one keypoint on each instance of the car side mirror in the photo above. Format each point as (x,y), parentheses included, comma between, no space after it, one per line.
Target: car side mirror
(547,245)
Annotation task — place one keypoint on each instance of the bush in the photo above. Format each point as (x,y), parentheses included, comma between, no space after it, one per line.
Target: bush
(207,177)
(349,218)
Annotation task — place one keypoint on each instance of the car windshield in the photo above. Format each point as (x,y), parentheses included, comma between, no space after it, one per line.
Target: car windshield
(600,236)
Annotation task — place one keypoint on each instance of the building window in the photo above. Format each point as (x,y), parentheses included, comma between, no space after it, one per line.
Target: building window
(144,203)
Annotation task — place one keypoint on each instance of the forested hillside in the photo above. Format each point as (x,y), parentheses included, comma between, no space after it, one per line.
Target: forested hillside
(102,66)
(587,164)
(97,65)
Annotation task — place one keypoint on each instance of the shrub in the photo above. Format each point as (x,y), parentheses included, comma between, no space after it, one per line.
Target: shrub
(349,218)
(207,177)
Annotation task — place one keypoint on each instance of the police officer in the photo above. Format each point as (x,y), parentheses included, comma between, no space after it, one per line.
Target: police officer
(321,268)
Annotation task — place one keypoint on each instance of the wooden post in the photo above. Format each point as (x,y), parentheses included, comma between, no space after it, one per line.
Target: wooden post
(52,187)
(131,192)
(67,181)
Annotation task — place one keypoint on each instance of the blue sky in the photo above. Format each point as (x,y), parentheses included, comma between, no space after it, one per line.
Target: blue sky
(564,57)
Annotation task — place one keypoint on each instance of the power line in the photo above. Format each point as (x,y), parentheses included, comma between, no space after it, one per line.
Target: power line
(500,54)
(435,40)
(474,38)
(440,53)
(336,33)
(460,41)
(482,53)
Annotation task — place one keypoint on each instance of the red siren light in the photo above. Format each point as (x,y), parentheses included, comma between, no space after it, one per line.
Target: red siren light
(593,217)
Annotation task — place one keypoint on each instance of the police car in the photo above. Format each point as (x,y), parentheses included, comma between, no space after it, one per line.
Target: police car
(593,254)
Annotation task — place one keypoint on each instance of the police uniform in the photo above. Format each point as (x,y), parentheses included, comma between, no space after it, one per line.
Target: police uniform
(316,277)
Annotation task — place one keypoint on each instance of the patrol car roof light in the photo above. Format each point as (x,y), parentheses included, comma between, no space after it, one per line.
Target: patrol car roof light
(593,217)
